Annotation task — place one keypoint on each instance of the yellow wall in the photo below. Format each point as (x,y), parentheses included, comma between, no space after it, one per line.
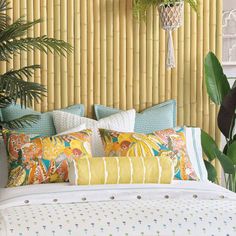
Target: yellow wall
(119,62)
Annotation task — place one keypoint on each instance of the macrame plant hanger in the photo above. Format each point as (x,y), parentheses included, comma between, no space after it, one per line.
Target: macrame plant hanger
(171,15)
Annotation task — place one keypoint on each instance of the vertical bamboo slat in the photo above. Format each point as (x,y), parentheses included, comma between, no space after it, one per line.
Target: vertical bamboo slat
(70,57)
(162,65)
(205,51)
(143,67)
(116,54)
(193,66)
(136,55)
(200,66)
(43,31)
(50,62)
(123,54)
(129,57)
(97,51)
(90,56)
(30,33)
(149,57)
(155,93)
(84,55)
(187,44)
(103,53)
(16,15)
(57,64)
(64,78)
(109,14)
(77,52)
(23,13)
(34,58)
(9,64)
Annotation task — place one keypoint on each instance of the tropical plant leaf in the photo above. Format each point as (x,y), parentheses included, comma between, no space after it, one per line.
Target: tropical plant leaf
(216,81)
(211,171)
(21,122)
(226,116)
(231,152)
(13,85)
(226,163)
(44,44)
(4,18)
(234,85)
(209,146)
(4,101)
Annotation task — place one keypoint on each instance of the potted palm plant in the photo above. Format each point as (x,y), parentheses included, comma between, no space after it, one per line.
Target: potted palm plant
(14,84)
(171,15)
(221,94)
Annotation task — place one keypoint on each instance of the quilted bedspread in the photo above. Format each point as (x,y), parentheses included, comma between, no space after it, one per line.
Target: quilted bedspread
(181,208)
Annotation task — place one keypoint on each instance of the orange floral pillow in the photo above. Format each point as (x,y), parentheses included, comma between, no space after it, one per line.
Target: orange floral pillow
(35,159)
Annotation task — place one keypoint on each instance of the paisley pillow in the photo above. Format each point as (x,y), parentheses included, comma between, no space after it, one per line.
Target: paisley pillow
(120,170)
(170,143)
(35,159)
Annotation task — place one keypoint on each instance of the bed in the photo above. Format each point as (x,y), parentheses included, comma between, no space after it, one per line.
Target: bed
(180,208)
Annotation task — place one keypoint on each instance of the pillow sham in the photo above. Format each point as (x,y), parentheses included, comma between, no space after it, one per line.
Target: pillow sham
(158,117)
(123,121)
(35,159)
(44,125)
(170,143)
(119,170)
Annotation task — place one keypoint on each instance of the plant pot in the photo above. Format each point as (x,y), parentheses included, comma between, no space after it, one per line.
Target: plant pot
(171,15)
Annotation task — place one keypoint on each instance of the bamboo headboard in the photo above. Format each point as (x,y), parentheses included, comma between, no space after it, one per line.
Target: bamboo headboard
(120,62)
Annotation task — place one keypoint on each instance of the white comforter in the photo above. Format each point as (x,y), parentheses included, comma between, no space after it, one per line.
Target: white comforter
(182,208)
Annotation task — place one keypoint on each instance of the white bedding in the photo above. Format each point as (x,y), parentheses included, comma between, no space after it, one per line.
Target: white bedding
(182,208)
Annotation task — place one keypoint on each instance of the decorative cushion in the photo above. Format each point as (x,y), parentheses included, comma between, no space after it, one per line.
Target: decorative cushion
(123,121)
(158,117)
(44,125)
(170,143)
(119,170)
(35,159)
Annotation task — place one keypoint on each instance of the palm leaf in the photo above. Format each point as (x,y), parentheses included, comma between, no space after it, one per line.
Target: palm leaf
(13,85)
(4,18)
(7,48)
(5,101)
(20,122)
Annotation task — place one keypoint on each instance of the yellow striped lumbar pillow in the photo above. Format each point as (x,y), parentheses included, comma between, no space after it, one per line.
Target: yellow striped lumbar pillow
(119,170)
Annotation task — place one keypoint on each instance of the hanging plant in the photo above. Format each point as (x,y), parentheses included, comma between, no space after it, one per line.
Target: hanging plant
(171,15)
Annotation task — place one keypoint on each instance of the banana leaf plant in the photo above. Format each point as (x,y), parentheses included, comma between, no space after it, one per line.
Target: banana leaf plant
(221,94)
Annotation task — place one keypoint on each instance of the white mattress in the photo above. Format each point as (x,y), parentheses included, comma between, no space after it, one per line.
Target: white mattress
(181,208)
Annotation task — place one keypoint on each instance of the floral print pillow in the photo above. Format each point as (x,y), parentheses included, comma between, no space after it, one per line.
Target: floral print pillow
(35,159)
(169,143)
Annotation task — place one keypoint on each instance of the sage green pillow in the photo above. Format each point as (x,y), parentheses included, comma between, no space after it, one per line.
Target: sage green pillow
(44,125)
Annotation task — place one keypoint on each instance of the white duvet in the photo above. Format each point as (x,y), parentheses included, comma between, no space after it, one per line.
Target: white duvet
(181,208)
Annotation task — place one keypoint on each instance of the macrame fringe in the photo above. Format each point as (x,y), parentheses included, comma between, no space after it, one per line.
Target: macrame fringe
(170,59)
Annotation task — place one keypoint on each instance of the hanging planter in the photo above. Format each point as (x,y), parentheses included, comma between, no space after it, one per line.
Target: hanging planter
(171,15)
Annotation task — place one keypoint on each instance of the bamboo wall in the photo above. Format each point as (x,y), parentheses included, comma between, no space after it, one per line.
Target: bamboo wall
(120,62)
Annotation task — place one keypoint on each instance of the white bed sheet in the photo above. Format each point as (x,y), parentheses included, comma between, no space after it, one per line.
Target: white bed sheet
(181,208)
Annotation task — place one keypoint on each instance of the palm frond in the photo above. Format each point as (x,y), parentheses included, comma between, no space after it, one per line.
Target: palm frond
(7,48)
(17,29)
(21,122)
(5,101)
(13,85)
(4,18)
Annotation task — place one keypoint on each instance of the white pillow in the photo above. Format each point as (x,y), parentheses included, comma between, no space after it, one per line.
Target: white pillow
(123,122)
(194,149)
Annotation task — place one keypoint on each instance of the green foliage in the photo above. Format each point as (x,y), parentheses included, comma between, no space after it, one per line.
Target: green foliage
(221,94)
(140,7)
(14,84)
(216,81)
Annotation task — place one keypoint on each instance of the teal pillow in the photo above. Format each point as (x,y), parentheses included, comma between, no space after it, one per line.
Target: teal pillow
(158,117)
(44,125)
